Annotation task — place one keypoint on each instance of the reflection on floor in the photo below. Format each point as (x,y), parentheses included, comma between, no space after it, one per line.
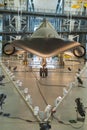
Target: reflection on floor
(43,91)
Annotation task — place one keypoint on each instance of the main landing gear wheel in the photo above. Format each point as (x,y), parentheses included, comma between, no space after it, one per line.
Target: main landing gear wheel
(79,51)
(8,49)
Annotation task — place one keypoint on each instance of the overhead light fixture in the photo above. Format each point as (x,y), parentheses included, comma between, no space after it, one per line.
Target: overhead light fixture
(76,6)
(85,5)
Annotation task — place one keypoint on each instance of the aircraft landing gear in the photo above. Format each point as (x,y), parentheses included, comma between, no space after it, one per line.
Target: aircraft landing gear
(43,72)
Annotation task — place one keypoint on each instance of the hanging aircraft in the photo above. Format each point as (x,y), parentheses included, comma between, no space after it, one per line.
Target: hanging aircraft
(44,42)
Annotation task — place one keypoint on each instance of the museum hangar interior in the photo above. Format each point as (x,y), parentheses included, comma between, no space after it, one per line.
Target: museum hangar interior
(43,69)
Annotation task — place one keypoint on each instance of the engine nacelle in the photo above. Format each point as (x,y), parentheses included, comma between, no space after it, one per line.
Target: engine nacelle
(8,49)
(79,51)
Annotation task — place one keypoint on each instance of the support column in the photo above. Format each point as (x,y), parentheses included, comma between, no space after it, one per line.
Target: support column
(25,61)
(61,60)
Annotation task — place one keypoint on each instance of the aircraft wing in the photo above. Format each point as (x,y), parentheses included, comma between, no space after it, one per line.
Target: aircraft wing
(45,47)
(44,42)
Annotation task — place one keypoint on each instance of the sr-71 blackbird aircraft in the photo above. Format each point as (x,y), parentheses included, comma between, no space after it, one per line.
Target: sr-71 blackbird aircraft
(44,42)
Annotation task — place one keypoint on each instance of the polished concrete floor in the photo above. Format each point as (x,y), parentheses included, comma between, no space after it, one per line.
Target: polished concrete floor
(43,91)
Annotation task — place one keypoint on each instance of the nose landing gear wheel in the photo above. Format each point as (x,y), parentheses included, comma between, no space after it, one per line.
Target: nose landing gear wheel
(43,72)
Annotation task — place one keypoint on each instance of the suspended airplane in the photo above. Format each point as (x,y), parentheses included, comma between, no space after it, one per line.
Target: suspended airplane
(44,42)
